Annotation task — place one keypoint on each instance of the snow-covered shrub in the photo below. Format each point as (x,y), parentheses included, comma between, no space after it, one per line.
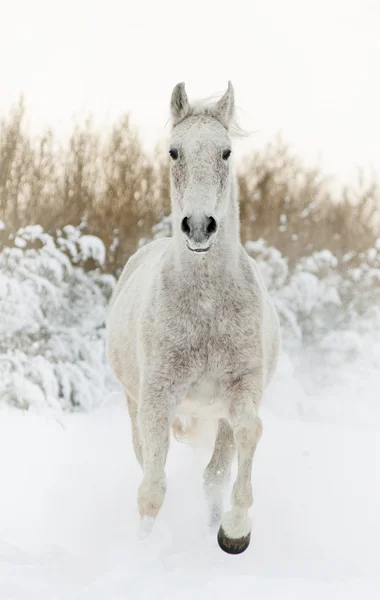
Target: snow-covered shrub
(306,302)
(361,286)
(273,266)
(162,229)
(312,296)
(321,304)
(52,314)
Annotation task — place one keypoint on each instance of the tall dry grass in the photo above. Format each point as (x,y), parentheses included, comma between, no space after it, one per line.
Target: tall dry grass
(118,191)
(294,208)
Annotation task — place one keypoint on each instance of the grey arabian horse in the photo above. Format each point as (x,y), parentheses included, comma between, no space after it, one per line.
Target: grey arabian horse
(191,329)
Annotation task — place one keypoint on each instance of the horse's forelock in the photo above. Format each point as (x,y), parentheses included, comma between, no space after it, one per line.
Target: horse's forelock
(205,108)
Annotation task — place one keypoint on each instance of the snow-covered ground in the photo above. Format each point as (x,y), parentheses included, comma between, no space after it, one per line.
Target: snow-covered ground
(68,518)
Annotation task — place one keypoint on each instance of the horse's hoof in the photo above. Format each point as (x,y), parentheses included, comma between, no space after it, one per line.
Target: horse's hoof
(233,546)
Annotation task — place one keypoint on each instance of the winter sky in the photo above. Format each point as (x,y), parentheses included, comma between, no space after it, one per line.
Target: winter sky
(307,69)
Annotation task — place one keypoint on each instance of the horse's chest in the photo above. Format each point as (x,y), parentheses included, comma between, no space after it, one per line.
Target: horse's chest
(217,333)
(218,347)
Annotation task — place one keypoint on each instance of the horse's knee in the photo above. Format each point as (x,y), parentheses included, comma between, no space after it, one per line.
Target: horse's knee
(249,431)
(247,436)
(218,469)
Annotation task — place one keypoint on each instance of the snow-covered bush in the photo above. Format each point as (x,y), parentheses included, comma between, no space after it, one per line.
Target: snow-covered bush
(52,314)
(322,305)
(273,266)
(162,229)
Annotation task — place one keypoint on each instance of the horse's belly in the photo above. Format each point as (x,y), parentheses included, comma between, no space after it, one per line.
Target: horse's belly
(203,402)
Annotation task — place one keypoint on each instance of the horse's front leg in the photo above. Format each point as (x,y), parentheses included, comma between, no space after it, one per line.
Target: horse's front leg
(156,406)
(245,395)
(217,472)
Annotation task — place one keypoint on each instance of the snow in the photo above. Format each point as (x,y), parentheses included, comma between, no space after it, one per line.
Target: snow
(68,516)
(92,247)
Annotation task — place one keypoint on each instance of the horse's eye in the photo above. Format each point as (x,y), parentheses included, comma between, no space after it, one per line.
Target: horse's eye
(173,153)
(226,154)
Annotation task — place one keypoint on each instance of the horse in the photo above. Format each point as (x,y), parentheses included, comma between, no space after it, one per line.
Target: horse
(191,329)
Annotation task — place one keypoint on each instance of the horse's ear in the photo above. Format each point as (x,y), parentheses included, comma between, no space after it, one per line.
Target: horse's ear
(179,105)
(225,107)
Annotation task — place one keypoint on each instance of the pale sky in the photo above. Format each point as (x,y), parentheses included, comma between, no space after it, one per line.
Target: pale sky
(309,69)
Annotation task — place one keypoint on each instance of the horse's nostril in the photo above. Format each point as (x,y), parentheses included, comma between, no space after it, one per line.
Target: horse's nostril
(185,226)
(211,226)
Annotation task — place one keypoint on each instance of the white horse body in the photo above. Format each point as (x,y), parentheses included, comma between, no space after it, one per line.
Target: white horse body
(191,328)
(135,295)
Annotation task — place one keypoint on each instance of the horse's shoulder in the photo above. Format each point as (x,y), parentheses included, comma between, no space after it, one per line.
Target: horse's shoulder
(253,273)
(142,256)
(148,252)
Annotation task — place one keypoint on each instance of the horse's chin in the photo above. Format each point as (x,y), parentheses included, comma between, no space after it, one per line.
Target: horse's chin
(198,250)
